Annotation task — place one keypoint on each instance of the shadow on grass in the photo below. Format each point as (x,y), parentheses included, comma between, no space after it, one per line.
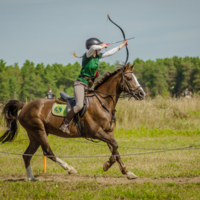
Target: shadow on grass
(15,180)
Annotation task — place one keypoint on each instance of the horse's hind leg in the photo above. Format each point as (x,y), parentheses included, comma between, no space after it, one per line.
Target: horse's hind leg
(49,153)
(37,138)
(32,148)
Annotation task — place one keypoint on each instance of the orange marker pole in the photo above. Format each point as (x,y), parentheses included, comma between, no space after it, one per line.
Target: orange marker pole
(45,164)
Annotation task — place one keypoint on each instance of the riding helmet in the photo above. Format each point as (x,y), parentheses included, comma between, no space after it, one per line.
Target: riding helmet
(92,41)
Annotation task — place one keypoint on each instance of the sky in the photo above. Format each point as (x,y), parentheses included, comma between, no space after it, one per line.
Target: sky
(48,31)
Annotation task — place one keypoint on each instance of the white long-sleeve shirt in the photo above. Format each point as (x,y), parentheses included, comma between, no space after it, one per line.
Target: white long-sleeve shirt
(93,48)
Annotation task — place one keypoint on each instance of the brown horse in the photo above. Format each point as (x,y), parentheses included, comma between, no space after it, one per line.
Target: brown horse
(98,123)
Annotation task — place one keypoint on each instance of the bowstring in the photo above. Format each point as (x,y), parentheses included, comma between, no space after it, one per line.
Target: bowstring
(105,40)
(106,28)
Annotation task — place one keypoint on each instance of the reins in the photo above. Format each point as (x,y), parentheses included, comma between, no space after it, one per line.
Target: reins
(120,96)
(130,92)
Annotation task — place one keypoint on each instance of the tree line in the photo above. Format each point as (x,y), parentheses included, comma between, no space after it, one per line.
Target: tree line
(166,77)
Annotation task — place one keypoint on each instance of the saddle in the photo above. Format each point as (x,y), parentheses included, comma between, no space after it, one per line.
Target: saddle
(67,102)
(64,104)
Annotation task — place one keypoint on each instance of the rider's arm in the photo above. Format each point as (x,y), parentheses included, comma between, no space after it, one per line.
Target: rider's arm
(110,52)
(114,50)
(92,49)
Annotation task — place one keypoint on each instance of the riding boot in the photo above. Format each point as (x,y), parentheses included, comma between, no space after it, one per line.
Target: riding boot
(65,124)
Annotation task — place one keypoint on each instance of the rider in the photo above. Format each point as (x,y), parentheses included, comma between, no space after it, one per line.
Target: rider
(90,63)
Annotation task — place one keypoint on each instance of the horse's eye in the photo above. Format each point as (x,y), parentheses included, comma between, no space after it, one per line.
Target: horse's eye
(129,79)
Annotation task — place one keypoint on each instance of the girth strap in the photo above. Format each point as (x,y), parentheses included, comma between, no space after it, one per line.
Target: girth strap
(104,106)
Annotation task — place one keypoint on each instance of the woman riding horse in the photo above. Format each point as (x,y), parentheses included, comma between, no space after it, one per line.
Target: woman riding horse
(90,63)
(98,121)
(37,119)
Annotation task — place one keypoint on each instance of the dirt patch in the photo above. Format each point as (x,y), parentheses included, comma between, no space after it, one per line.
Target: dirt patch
(100,179)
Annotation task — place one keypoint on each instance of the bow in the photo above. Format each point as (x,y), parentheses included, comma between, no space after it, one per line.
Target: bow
(123,37)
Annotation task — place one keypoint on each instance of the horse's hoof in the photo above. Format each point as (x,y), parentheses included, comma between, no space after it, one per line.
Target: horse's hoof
(72,171)
(131,175)
(106,166)
(33,179)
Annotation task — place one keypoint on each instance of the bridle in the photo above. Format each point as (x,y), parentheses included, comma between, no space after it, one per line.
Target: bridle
(125,84)
(131,92)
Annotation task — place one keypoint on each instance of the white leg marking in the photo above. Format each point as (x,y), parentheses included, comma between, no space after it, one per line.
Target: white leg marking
(65,166)
(30,174)
(131,175)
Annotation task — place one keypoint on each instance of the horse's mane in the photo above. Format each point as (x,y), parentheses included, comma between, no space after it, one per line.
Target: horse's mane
(106,76)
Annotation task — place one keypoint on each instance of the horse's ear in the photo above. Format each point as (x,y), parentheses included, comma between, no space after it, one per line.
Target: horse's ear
(127,66)
(132,67)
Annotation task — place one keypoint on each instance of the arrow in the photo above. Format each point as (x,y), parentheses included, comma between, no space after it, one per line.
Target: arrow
(119,41)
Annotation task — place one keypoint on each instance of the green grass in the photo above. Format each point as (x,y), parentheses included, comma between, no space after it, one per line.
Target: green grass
(159,123)
(94,190)
(185,163)
(196,113)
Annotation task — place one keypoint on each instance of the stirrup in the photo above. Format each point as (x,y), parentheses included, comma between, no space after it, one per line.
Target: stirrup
(65,128)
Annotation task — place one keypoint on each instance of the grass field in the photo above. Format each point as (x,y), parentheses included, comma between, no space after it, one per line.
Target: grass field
(159,123)
(94,190)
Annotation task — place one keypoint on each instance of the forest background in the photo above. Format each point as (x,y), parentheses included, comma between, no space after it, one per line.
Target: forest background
(167,77)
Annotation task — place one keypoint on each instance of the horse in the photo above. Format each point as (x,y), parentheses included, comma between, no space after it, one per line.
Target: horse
(98,121)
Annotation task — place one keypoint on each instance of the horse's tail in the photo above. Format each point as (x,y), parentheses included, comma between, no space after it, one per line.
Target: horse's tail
(10,114)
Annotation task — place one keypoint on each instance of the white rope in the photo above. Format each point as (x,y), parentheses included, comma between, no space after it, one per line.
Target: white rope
(123,147)
(101,156)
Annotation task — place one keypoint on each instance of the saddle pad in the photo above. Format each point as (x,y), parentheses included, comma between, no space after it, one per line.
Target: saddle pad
(59,109)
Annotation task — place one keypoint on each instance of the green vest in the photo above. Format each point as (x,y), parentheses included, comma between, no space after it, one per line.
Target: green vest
(89,67)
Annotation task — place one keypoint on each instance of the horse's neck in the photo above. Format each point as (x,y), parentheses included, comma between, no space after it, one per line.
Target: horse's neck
(111,86)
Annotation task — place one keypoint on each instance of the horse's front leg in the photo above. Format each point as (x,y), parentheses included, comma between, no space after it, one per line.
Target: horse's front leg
(111,161)
(130,175)
(109,138)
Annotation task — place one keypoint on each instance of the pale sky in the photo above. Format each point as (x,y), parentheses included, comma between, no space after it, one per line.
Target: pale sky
(49,31)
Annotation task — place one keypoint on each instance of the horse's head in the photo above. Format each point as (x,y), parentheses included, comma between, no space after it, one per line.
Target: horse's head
(130,83)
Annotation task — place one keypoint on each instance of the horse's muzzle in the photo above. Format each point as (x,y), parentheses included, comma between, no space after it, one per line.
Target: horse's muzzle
(140,95)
